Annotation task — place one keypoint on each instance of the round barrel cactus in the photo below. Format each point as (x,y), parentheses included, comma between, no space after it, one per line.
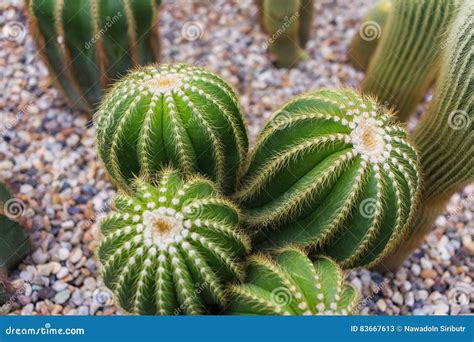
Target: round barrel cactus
(331,170)
(169,247)
(172,115)
(291,284)
(87,44)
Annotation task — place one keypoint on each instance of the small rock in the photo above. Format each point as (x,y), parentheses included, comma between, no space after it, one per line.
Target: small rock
(63,272)
(382,305)
(397,298)
(27,310)
(409,299)
(428,273)
(63,253)
(40,257)
(416,269)
(76,255)
(62,297)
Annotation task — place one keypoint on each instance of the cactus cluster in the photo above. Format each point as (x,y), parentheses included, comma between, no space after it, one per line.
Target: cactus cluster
(445,135)
(367,39)
(407,58)
(331,170)
(288,25)
(172,115)
(169,248)
(291,284)
(87,44)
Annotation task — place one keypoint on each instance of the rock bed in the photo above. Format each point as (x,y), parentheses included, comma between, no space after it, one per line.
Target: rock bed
(47,156)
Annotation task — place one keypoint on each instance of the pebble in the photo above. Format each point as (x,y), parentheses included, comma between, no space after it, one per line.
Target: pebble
(397,298)
(76,255)
(62,297)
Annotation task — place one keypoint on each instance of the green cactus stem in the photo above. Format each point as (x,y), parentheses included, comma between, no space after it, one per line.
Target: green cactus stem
(170,247)
(172,115)
(15,243)
(445,136)
(331,170)
(367,39)
(288,24)
(87,44)
(407,60)
(291,284)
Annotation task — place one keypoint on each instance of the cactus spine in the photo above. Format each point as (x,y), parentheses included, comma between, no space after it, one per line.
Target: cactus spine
(407,59)
(172,115)
(291,284)
(169,248)
(288,23)
(367,39)
(445,135)
(330,170)
(87,44)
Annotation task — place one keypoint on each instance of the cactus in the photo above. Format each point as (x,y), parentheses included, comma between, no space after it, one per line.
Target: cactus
(407,59)
(169,247)
(366,40)
(445,135)
(331,171)
(14,241)
(87,44)
(171,115)
(288,23)
(291,284)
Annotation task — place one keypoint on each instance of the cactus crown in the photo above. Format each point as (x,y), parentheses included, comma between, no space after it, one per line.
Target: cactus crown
(291,284)
(172,115)
(169,248)
(113,37)
(332,170)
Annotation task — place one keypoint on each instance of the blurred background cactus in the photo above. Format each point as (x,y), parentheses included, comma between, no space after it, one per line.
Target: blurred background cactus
(169,248)
(407,58)
(89,44)
(331,170)
(445,136)
(15,244)
(288,25)
(178,115)
(366,40)
(291,284)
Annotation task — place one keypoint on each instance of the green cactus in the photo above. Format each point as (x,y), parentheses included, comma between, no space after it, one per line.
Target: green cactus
(87,44)
(15,243)
(367,39)
(445,136)
(172,115)
(407,60)
(169,248)
(288,24)
(291,284)
(331,170)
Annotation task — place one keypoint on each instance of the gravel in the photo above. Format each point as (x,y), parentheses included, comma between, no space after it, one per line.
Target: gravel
(47,157)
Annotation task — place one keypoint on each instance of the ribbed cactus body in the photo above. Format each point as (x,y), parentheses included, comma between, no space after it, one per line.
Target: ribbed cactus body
(291,284)
(88,44)
(445,136)
(368,36)
(172,115)
(331,170)
(169,247)
(288,24)
(407,59)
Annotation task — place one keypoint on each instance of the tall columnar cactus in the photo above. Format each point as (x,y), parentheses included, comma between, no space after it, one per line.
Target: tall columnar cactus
(169,248)
(367,39)
(407,60)
(445,136)
(177,115)
(288,24)
(291,284)
(331,170)
(87,44)
(15,243)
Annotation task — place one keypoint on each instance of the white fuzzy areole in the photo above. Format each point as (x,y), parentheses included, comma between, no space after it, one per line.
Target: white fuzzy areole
(368,139)
(163,225)
(163,83)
